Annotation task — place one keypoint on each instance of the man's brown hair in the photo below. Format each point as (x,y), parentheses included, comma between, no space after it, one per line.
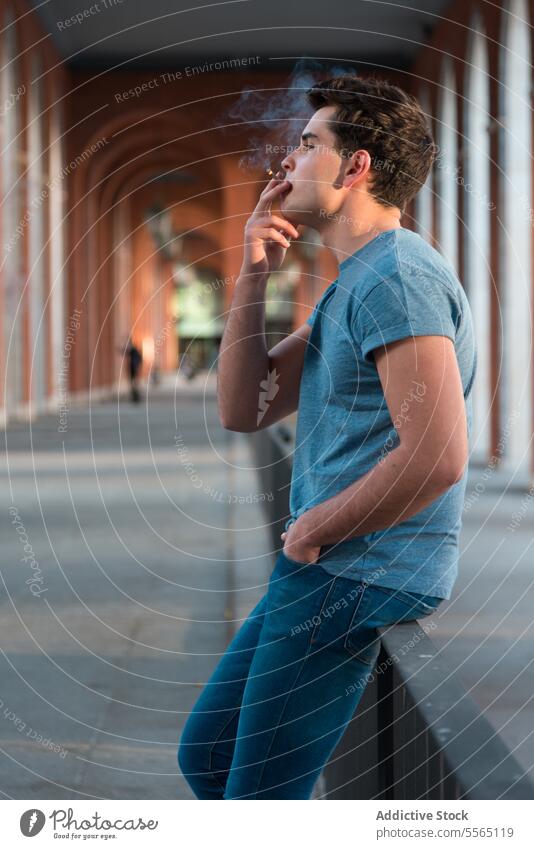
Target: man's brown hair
(386,121)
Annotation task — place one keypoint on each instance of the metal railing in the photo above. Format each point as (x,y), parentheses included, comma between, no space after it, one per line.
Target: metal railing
(416,733)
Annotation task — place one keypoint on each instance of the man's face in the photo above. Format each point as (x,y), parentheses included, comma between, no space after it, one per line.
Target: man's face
(315,170)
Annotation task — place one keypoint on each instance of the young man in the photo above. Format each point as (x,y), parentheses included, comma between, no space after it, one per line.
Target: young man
(381,374)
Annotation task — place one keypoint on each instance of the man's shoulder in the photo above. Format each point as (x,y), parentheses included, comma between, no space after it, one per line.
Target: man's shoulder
(417,260)
(404,265)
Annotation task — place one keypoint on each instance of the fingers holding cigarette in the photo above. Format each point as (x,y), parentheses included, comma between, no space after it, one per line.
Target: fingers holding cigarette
(275,187)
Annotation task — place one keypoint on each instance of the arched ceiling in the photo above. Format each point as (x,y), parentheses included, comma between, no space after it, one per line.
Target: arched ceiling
(165,33)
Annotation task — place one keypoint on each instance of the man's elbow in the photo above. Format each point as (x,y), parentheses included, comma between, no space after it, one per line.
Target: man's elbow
(229,423)
(238,428)
(451,471)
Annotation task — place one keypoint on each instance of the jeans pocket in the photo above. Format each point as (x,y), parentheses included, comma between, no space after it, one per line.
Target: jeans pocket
(361,639)
(416,604)
(324,631)
(404,604)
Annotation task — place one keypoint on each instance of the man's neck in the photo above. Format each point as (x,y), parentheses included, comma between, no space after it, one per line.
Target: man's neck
(344,239)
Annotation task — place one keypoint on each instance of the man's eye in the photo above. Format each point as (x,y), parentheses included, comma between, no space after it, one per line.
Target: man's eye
(307,146)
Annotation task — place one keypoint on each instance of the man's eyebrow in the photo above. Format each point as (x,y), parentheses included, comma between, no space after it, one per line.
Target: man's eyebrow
(305,136)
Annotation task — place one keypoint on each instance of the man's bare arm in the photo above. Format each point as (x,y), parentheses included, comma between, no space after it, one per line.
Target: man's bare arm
(423,391)
(256,387)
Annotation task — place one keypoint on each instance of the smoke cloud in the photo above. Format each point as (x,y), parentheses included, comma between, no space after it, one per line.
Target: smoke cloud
(277,116)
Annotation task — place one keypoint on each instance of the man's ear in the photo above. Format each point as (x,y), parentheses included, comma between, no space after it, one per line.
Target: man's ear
(358,166)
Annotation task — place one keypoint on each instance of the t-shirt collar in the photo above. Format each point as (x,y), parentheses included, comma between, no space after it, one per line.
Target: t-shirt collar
(356,254)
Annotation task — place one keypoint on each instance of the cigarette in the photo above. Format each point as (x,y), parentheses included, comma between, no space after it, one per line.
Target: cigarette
(270,172)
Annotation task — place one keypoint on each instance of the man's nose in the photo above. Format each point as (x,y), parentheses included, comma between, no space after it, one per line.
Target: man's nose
(287,163)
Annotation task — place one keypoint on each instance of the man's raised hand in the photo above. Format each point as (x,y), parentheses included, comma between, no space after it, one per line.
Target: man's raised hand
(267,235)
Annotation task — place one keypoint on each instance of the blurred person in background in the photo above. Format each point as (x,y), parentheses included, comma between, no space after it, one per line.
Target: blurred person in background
(187,366)
(134,359)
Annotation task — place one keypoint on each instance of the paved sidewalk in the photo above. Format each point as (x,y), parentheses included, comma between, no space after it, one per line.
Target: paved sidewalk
(486,630)
(140,564)
(148,557)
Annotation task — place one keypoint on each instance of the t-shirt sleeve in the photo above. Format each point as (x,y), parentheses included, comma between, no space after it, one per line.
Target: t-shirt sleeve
(319,304)
(403,306)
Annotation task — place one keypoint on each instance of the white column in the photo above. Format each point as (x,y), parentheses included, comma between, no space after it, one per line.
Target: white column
(515,240)
(35,209)
(423,199)
(12,92)
(446,167)
(57,250)
(477,276)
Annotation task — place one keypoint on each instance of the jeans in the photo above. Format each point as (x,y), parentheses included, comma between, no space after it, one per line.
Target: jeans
(281,696)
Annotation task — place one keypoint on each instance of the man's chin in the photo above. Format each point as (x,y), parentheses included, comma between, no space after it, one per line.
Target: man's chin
(295,215)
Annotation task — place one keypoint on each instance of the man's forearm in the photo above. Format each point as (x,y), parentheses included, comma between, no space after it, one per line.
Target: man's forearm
(387,494)
(243,356)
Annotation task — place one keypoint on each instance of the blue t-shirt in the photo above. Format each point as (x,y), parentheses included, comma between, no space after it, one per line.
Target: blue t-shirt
(395,286)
